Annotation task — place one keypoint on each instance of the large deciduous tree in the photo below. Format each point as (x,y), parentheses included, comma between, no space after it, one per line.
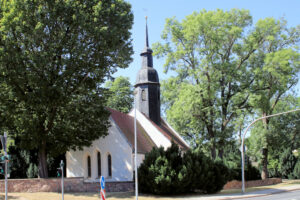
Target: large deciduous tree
(54,56)
(213,55)
(275,66)
(121,94)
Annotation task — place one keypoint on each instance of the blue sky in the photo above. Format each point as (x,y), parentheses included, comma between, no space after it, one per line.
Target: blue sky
(158,10)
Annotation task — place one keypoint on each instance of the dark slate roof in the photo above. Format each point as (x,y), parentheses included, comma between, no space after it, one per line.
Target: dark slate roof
(126,123)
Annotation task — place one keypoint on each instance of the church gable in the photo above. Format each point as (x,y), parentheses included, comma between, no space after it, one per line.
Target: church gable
(125,123)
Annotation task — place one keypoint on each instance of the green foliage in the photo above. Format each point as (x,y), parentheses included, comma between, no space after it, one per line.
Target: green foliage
(121,94)
(296,171)
(24,163)
(32,171)
(232,159)
(172,171)
(288,162)
(54,57)
(224,67)
(283,133)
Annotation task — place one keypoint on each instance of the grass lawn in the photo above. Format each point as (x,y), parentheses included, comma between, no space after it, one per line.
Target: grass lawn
(127,195)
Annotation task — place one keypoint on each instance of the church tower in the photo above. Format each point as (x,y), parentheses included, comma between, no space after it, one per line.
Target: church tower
(147,88)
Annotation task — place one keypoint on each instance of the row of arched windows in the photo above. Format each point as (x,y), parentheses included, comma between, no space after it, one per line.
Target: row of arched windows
(99,173)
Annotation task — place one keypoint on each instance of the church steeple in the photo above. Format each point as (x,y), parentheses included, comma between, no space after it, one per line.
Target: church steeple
(147,59)
(147,41)
(147,85)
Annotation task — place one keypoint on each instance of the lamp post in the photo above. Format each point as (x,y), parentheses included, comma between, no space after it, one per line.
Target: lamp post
(243,139)
(135,150)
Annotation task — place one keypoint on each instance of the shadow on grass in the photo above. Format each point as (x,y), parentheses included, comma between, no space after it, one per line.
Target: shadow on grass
(108,195)
(86,194)
(2,197)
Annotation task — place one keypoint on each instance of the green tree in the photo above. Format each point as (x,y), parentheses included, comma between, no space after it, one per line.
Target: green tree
(275,66)
(214,55)
(121,94)
(54,56)
(283,133)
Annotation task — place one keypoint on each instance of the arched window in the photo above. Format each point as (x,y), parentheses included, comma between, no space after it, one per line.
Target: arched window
(99,163)
(109,165)
(89,170)
(143,95)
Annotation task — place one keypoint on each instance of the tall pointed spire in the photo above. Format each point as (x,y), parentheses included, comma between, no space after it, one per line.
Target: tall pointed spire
(147,52)
(147,85)
(147,42)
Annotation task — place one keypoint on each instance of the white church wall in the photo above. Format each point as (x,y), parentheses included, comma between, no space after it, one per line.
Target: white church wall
(157,137)
(139,160)
(114,144)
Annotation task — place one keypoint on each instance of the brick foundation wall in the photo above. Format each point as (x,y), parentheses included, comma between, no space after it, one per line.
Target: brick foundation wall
(238,184)
(70,185)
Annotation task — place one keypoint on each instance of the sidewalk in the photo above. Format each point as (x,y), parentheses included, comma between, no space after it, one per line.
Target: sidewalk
(248,194)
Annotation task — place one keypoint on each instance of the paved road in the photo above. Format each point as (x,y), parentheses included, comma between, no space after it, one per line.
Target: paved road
(291,195)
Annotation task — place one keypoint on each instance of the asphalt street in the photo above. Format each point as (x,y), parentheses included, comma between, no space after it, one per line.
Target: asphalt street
(291,195)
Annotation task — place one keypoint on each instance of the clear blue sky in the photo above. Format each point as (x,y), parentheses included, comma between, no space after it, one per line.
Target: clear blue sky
(158,10)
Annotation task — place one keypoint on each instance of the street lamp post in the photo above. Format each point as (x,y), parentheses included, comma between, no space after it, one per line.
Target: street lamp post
(135,150)
(243,139)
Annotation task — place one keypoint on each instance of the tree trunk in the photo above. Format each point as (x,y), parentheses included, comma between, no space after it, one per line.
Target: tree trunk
(221,152)
(213,152)
(264,172)
(42,156)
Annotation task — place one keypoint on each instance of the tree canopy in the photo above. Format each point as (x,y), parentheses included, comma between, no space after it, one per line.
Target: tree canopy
(121,94)
(223,64)
(54,56)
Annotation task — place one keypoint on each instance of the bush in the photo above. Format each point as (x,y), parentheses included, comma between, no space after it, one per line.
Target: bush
(172,172)
(288,162)
(296,171)
(251,172)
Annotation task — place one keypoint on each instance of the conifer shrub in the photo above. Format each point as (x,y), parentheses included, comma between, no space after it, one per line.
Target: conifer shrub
(288,162)
(296,171)
(173,172)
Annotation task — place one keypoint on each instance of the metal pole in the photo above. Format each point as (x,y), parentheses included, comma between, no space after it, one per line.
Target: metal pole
(62,178)
(5,155)
(135,152)
(243,139)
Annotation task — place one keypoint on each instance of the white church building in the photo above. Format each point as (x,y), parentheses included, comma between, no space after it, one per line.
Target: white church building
(113,155)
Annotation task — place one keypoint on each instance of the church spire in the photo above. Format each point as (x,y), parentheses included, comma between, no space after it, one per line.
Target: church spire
(147,59)
(147,86)
(147,42)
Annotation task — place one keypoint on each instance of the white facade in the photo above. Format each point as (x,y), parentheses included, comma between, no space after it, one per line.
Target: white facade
(115,144)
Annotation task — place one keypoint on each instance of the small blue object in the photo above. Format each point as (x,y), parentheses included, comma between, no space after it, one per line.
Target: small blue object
(102,182)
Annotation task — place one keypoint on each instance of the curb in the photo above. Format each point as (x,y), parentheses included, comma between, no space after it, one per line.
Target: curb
(260,195)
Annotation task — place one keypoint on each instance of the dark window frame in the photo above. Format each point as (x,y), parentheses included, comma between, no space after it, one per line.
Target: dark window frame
(99,164)
(89,167)
(109,164)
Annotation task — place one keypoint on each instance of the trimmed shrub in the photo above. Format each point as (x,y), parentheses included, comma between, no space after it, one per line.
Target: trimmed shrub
(172,172)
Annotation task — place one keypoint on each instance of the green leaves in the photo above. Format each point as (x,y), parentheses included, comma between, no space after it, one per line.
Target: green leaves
(120,94)
(54,56)
(225,67)
(174,172)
